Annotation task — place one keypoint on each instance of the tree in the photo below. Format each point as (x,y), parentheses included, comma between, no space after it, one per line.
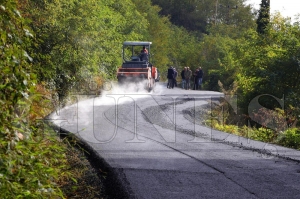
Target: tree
(79,40)
(158,32)
(263,16)
(269,65)
(195,15)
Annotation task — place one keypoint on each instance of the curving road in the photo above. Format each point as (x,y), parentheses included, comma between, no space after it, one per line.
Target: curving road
(159,147)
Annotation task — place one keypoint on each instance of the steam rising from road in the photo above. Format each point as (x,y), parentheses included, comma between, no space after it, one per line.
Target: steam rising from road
(111,95)
(127,92)
(126,88)
(130,88)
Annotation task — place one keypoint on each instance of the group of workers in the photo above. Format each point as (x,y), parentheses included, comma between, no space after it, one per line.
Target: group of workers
(186,76)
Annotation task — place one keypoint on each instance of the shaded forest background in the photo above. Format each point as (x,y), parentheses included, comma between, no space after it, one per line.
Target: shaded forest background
(52,48)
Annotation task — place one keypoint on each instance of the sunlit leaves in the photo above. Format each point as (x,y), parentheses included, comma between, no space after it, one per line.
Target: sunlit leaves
(76,37)
(18,172)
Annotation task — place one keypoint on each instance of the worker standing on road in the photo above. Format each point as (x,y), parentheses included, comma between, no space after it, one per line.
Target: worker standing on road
(187,76)
(196,79)
(182,78)
(200,77)
(175,76)
(170,77)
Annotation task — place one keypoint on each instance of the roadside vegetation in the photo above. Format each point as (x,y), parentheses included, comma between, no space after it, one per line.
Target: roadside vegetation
(277,126)
(51,50)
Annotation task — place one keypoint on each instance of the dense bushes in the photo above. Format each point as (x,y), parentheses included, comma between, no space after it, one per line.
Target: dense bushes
(31,165)
(288,138)
(265,68)
(31,157)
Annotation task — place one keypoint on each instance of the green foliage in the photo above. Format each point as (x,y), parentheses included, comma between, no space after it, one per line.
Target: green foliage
(198,16)
(290,138)
(184,49)
(158,31)
(269,64)
(218,60)
(268,125)
(273,127)
(233,129)
(263,134)
(32,164)
(80,39)
(172,45)
(31,158)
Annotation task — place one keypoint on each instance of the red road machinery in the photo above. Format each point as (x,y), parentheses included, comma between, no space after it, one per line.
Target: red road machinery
(136,65)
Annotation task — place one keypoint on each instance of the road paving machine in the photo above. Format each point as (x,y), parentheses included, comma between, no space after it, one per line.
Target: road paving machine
(137,65)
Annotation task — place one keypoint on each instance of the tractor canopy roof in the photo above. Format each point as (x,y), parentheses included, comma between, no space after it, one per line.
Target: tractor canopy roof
(137,43)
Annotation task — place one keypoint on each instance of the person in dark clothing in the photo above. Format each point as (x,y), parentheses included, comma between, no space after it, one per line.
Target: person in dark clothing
(144,50)
(175,76)
(196,79)
(200,77)
(170,77)
(187,76)
(182,77)
(144,54)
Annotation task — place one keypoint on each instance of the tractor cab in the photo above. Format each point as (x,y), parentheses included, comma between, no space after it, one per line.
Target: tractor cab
(136,51)
(136,54)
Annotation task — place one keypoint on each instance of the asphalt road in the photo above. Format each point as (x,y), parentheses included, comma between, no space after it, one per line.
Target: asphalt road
(159,147)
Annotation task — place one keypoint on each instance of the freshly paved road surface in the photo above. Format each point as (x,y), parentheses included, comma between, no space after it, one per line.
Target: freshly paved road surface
(160,149)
